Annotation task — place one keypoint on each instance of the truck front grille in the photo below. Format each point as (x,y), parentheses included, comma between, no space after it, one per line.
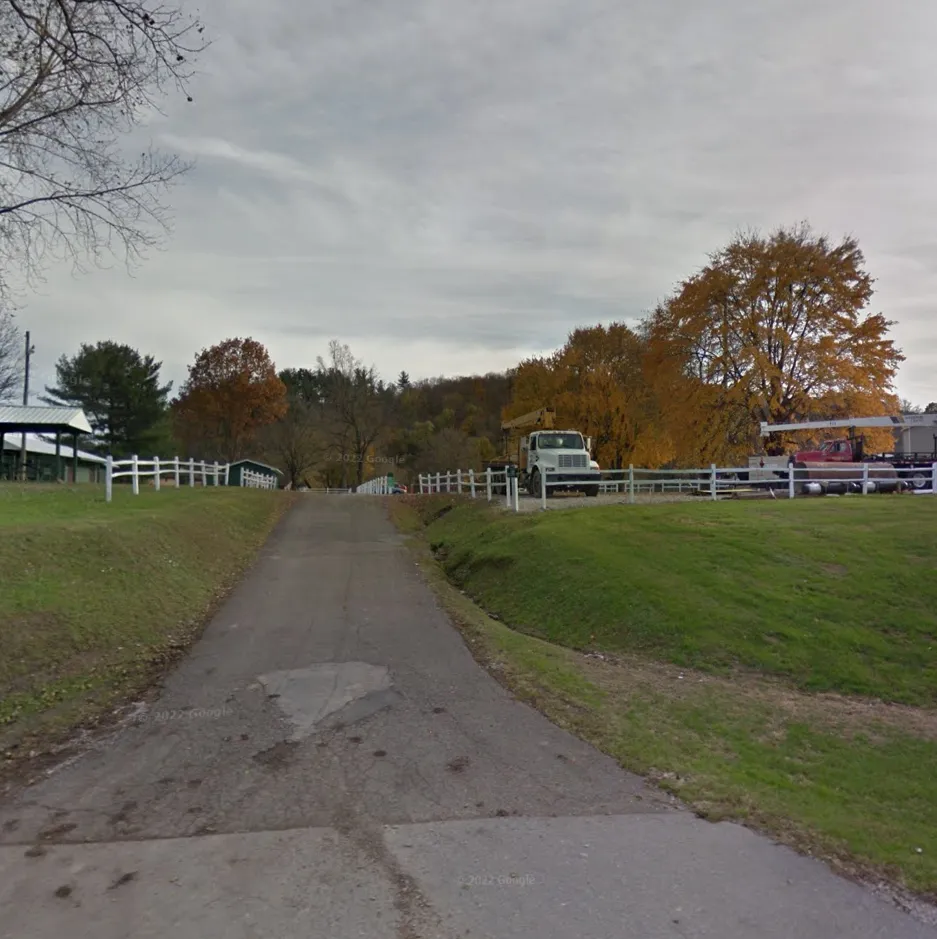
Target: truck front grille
(572,461)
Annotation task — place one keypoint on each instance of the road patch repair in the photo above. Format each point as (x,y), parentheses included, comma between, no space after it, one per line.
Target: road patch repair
(307,696)
(360,775)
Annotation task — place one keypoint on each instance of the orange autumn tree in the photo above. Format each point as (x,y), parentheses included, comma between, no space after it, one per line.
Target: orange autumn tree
(773,329)
(604,394)
(596,383)
(231,393)
(535,383)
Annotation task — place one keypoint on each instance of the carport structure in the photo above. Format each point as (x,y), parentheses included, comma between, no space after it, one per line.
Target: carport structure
(51,421)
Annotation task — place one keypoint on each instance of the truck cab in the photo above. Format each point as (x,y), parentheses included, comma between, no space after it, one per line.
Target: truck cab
(564,456)
(830,451)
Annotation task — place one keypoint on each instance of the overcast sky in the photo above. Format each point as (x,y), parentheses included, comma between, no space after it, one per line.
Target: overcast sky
(449,186)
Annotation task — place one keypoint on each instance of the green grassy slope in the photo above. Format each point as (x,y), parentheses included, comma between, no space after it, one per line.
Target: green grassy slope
(717,624)
(93,597)
(835,595)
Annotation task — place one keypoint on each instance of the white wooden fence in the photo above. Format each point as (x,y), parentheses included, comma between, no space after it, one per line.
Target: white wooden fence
(713,482)
(381,486)
(490,483)
(214,474)
(254,480)
(183,472)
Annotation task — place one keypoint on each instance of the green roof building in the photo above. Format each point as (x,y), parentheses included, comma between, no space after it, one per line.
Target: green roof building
(236,471)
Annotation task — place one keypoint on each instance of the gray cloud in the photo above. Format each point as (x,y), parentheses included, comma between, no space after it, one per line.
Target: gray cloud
(450,187)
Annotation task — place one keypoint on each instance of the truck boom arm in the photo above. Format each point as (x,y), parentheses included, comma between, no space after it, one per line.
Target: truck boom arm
(905,420)
(542,417)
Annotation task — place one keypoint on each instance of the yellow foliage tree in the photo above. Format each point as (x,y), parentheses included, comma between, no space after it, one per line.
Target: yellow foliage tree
(773,329)
(535,383)
(597,385)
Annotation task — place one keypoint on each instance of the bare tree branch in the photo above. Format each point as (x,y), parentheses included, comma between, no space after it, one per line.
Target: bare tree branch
(11,358)
(355,405)
(75,77)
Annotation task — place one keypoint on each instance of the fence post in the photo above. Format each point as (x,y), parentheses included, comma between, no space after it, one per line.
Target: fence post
(438,482)
(109,478)
(488,481)
(712,481)
(790,480)
(217,474)
(204,475)
(865,479)
(631,483)
(507,489)
(543,488)
(458,477)
(517,493)
(156,471)
(472,482)
(135,475)
(933,479)
(175,470)
(227,467)
(191,470)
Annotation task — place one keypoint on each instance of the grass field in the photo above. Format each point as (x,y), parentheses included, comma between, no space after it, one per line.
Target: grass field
(95,598)
(835,595)
(774,663)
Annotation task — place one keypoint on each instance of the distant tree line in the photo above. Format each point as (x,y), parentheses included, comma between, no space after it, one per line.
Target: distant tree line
(774,328)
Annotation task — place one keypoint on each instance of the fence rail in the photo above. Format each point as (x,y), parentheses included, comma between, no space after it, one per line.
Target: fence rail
(327,490)
(156,469)
(713,482)
(380,486)
(254,480)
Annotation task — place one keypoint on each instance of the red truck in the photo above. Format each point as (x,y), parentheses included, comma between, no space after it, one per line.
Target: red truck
(911,462)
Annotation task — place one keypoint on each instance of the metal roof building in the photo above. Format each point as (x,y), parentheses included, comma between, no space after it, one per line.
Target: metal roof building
(19,420)
(37,444)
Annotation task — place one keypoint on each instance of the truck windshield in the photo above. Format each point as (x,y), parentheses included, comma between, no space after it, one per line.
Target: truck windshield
(560,442)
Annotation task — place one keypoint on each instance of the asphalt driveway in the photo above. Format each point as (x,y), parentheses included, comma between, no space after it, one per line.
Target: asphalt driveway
(329,761)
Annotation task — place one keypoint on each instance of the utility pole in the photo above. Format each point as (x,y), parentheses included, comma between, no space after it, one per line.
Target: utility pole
(30,349)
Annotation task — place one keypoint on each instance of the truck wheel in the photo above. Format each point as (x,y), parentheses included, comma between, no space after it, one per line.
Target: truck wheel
(592,491)
(534,487)
(918,481)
